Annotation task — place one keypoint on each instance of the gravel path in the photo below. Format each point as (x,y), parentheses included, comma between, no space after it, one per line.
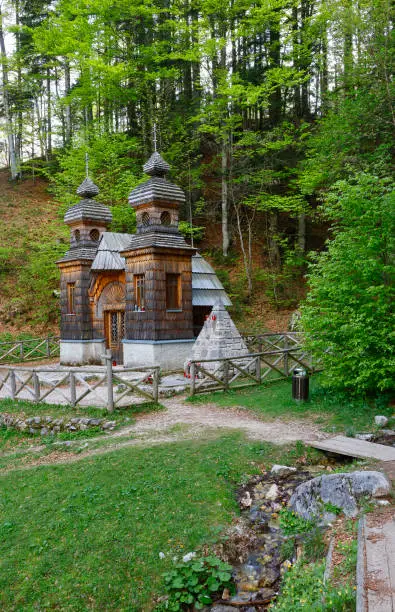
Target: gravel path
(196,417)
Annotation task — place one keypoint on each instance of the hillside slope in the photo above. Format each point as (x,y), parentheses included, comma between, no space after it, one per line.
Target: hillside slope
(34,237)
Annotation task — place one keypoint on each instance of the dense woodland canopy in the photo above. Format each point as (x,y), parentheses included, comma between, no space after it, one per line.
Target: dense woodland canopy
(261,109)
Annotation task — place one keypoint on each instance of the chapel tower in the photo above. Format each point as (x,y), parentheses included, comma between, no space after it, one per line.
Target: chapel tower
(159,315)
(87,221)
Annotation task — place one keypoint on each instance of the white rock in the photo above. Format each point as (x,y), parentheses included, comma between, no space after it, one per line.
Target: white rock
(162,555)
(382,502)
(272,493)
(282,470)
(366,437)
(188,557)
(246,501)
(380,420)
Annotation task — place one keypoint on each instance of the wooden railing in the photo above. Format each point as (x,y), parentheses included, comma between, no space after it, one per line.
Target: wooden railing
(29,350)
(94,386)
(251,369)
(272,341)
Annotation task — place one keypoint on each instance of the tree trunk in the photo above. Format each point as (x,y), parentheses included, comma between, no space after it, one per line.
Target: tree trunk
(224,197)
(302,232)
(274,249)
(7,111)
(49,115)
(67,86)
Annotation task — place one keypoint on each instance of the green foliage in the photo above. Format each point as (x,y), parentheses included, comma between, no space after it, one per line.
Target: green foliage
(303,588)
(196,582)
(187,231)
(314,545)
(292,524)
(111,167)
(347,315)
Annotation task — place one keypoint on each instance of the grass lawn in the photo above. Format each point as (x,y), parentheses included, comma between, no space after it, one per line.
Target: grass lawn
(87,535)
(335,412)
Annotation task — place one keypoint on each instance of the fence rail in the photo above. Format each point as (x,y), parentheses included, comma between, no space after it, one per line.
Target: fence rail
(29,350)
(250,369)
(272,341)
(100,386)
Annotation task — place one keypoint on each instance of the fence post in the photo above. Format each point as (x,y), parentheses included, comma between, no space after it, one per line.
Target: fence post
(36,387)
(259,344)
(21,352)
(48,347)
(192,372)
(258,369)
(286,360)
(12,384)
(156,384)
(226,375)
(73,394)
(110,390)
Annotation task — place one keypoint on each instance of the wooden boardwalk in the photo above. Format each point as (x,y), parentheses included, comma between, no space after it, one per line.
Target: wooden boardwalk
(376,563)
(341,445)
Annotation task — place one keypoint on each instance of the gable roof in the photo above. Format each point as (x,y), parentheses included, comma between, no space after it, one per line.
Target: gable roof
(207,289)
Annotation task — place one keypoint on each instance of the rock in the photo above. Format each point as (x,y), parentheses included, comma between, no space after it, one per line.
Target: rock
(44,431)
(246,500)
(269,577)
(282,470)
(366,437)
(383,502)
(222,608)
(380,420)
(36,421)
(272,493)
(109,425)
(95,422)
(341,490)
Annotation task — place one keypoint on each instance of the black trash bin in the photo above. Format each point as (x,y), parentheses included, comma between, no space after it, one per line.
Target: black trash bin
(300,384)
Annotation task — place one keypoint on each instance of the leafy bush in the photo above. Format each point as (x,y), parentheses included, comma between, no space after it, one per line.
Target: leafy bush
(347,315)
(291,523)
(196,582)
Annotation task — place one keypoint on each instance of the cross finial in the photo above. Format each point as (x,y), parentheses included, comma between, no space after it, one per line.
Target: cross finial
(87,164)
(155,143)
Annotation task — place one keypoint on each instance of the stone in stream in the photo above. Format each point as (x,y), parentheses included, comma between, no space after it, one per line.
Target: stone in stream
(282,470)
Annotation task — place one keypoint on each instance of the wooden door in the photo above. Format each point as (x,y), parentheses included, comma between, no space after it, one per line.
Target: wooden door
(115,331)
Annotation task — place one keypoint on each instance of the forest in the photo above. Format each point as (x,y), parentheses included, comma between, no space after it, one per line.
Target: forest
(277,119)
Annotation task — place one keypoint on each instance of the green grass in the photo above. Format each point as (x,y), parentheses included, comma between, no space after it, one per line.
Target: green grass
(57,410)
(335,412)
(87,535)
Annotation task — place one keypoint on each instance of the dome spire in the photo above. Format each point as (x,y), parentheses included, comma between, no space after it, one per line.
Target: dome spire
(87,189)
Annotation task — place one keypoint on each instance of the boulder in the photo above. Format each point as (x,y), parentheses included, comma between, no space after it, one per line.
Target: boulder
(380,420)
(340,490)
(282,470)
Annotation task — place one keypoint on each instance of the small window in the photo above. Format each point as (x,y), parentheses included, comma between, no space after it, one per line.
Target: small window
(77,235)
(70,298)
(139,292)
(145,219)
(173,292)
(94,235)
(165,218)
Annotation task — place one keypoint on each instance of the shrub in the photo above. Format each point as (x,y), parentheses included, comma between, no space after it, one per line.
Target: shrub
(196,582)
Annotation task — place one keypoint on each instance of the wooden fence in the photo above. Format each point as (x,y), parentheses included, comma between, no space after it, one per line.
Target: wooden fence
(93,386)
(258,343)
(29,350)
(250,369)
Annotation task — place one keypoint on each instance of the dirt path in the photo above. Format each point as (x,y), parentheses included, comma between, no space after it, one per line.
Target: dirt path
(180,421)
(196,417)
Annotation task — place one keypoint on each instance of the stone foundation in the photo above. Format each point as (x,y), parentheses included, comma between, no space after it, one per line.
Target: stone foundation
(168,354)
(81,352)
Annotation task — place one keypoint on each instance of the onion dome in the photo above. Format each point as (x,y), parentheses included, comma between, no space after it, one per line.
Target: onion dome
(156,165)
(88,209)
(87,189)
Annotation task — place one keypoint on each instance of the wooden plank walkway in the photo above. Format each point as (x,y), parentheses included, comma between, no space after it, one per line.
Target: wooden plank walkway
(376,566)
(352,447)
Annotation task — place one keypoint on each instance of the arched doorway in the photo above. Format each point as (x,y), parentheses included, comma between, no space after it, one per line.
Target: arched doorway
(111,308)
